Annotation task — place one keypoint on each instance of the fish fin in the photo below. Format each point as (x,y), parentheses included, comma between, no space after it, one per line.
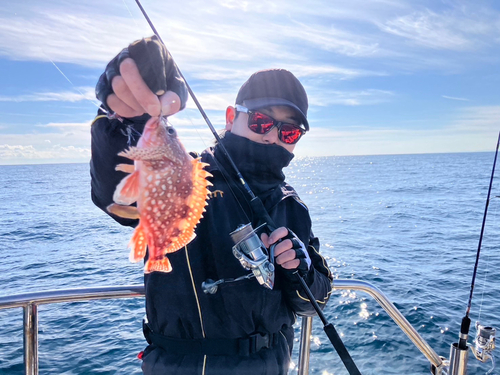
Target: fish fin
(150,153)
(133,153)
(138,245)
(199,196)
(183,240)
(159,265)
(127,212)
(127,191)
(127,168)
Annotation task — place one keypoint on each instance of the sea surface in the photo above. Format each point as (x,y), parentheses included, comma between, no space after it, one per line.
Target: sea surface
(408,224)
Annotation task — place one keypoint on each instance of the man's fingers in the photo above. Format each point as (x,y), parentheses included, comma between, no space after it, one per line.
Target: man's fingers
(145,97)
(170,103)
(120,108)
(282,247)
(123,93)
(288,260)
(292,265)
(265,239)
(286,257)
(278,234)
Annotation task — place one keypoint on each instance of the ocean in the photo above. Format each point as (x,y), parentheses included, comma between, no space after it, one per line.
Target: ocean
(408,224)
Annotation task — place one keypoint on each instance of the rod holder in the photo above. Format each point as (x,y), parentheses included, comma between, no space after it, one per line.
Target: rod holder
(305,346)
(31,339)
(458,360)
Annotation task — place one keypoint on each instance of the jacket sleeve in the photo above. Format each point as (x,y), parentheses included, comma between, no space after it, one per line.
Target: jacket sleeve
(108,138)
(319,279)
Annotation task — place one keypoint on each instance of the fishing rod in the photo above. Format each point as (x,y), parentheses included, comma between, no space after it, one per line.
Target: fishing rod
(458,355)
(259,209)
(200,108)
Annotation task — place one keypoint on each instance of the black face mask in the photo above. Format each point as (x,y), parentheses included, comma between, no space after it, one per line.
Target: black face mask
(261,165)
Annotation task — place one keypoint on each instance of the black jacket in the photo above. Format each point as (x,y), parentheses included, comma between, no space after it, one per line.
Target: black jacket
(176,305)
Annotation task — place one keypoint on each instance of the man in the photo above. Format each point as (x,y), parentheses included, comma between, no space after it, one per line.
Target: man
(239,327)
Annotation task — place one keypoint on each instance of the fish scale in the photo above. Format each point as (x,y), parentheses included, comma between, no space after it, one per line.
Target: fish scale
(170,189)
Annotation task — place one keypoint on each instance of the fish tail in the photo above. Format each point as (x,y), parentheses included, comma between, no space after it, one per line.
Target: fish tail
(158,265)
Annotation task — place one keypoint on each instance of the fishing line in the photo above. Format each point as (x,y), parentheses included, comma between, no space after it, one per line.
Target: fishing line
(494,214)
(200,108)
(131,15)
(258,208)
(224,175)
(223,172)
(482,228)
(464,329)
(207,120)
(67,79)
(64,75)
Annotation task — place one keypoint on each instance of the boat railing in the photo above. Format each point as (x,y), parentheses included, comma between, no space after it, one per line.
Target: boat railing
(30,302)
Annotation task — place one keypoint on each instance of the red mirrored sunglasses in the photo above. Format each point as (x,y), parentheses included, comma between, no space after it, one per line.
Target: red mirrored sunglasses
(261,123)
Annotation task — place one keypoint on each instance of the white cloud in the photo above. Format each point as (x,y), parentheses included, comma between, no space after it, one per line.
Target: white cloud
(461,27)
(83,126)
(484,120)
(61,137)
(61,34)
(455,98)
(324,142)
(192,119)
(213,101)
(310,39)
(327,97)
(71,141)
(473,129)
(85,93)
(235,4)
(29,154)
(331,39)
(331,48)
(428,29)
(330,70)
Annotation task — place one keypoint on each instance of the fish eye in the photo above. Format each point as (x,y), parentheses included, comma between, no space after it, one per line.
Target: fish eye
(171,131)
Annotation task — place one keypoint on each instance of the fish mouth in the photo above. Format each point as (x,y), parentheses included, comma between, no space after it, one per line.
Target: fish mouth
(162,120)
(153,123)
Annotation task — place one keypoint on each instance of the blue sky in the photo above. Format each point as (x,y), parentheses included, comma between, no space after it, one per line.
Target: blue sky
(383,76)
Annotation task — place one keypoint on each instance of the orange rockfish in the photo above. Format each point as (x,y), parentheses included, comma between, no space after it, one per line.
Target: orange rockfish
(170,189)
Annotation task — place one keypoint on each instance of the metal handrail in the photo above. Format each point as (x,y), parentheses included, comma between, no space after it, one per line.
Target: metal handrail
(30,302)
(391,310)
(71,295)
(394,313)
